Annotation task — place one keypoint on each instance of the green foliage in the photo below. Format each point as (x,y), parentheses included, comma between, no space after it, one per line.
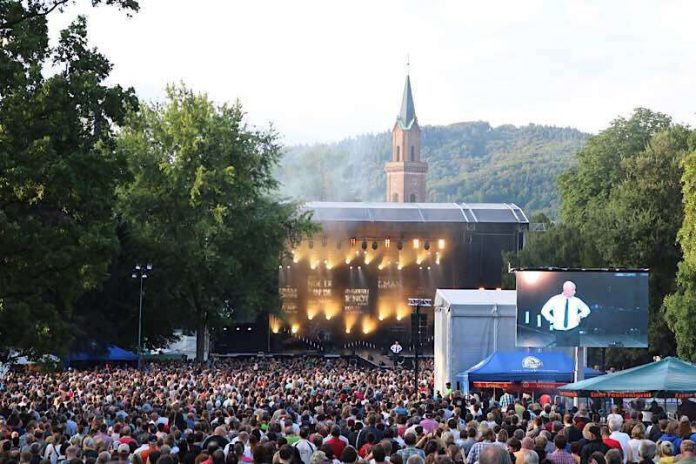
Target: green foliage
(621,207)
(679,306)
(200,201)
(467,162)
(58,173)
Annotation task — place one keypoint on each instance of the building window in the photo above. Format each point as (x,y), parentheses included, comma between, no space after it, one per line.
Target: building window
(395,198)
(413,154)
(398,153)
(412,198)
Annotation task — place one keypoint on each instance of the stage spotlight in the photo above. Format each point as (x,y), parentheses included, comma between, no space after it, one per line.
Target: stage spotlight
(387,242)
(347,260)
(351,268)
(364,245)
(416,243)
(310,243)
(441,244)
(428,267)
(347,331)
(374,245)
(399,245)
(359,267)
(427,245)
(352,241)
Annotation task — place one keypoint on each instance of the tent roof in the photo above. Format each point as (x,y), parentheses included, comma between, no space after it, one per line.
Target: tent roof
(113,353)
(517,366)
(336,211)
(666,375)
(456,297)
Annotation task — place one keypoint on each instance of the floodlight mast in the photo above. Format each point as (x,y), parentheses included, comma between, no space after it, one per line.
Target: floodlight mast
(418,303)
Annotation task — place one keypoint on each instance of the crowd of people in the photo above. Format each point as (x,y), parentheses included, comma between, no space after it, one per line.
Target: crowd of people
(308,411)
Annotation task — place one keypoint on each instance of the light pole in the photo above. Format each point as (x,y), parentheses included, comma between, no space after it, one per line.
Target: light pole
(141,272)
(418,303)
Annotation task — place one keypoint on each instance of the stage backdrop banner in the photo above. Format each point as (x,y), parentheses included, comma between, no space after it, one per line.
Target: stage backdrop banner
(582,308)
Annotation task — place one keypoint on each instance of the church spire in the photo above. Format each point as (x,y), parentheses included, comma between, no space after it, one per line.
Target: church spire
(407,115)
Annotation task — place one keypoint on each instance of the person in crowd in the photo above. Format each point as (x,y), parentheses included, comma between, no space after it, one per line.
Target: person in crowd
(647,452)
(637,438)
(593,444)
(688,452)
(559,454)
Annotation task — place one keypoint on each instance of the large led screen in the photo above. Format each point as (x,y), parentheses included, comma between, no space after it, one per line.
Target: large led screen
(587,309)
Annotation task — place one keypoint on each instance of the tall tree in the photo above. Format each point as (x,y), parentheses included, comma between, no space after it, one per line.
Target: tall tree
(621,207)
(679,306)
(201,197)
(58,172)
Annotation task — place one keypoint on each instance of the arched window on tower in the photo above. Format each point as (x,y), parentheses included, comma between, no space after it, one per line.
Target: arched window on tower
(398,153)
(413,154)
(412,198)
(395,198)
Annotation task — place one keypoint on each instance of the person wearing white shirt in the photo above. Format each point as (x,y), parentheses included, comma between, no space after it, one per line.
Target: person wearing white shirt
(615,415)
(565,312)
(623,438)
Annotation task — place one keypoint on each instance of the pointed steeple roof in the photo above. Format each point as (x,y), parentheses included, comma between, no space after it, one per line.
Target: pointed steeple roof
(407,115)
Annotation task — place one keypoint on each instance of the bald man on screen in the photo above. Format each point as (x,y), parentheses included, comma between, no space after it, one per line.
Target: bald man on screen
(565,311)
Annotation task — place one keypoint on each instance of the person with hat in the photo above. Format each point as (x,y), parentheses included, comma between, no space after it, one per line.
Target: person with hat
(594,443)
(123,453)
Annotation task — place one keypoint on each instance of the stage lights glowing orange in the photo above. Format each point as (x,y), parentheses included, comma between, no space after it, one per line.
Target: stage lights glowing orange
(275,324)
(312,311)
(368,258)
(416,243)
(368,325)
(441,244)
(387,242)
(331,310)
(531,277)
(350,319)
(437,258)
(295,328)
(347,261)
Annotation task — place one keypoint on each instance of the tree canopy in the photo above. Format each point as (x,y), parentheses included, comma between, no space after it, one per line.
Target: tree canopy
(201,199)
(58,172)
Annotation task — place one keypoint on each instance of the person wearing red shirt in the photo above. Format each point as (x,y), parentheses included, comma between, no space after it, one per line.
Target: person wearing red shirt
(336,442)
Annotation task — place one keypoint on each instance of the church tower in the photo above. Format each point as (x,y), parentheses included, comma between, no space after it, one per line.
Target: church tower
(406,172)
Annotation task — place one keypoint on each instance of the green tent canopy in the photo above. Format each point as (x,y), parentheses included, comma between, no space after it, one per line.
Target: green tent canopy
(669,377)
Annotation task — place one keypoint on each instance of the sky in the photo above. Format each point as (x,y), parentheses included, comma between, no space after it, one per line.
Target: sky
(323,70)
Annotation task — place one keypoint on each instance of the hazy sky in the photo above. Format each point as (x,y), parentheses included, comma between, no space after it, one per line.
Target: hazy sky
(323,70)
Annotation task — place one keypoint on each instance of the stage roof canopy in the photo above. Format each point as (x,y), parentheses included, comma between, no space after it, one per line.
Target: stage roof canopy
(668,376)
(416,212)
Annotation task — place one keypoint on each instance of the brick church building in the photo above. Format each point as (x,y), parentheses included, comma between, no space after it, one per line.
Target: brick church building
(406,173)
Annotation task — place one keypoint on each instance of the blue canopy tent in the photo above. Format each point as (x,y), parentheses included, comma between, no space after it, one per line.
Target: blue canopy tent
(112,353)
(504,368)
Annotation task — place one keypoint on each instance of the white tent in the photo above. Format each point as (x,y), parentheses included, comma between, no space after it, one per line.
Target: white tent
(469,326)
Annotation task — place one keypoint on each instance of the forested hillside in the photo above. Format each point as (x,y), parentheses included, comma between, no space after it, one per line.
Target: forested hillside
(469,162)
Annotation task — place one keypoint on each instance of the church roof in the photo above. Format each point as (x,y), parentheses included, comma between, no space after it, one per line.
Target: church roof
(326,212)
(407,115)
